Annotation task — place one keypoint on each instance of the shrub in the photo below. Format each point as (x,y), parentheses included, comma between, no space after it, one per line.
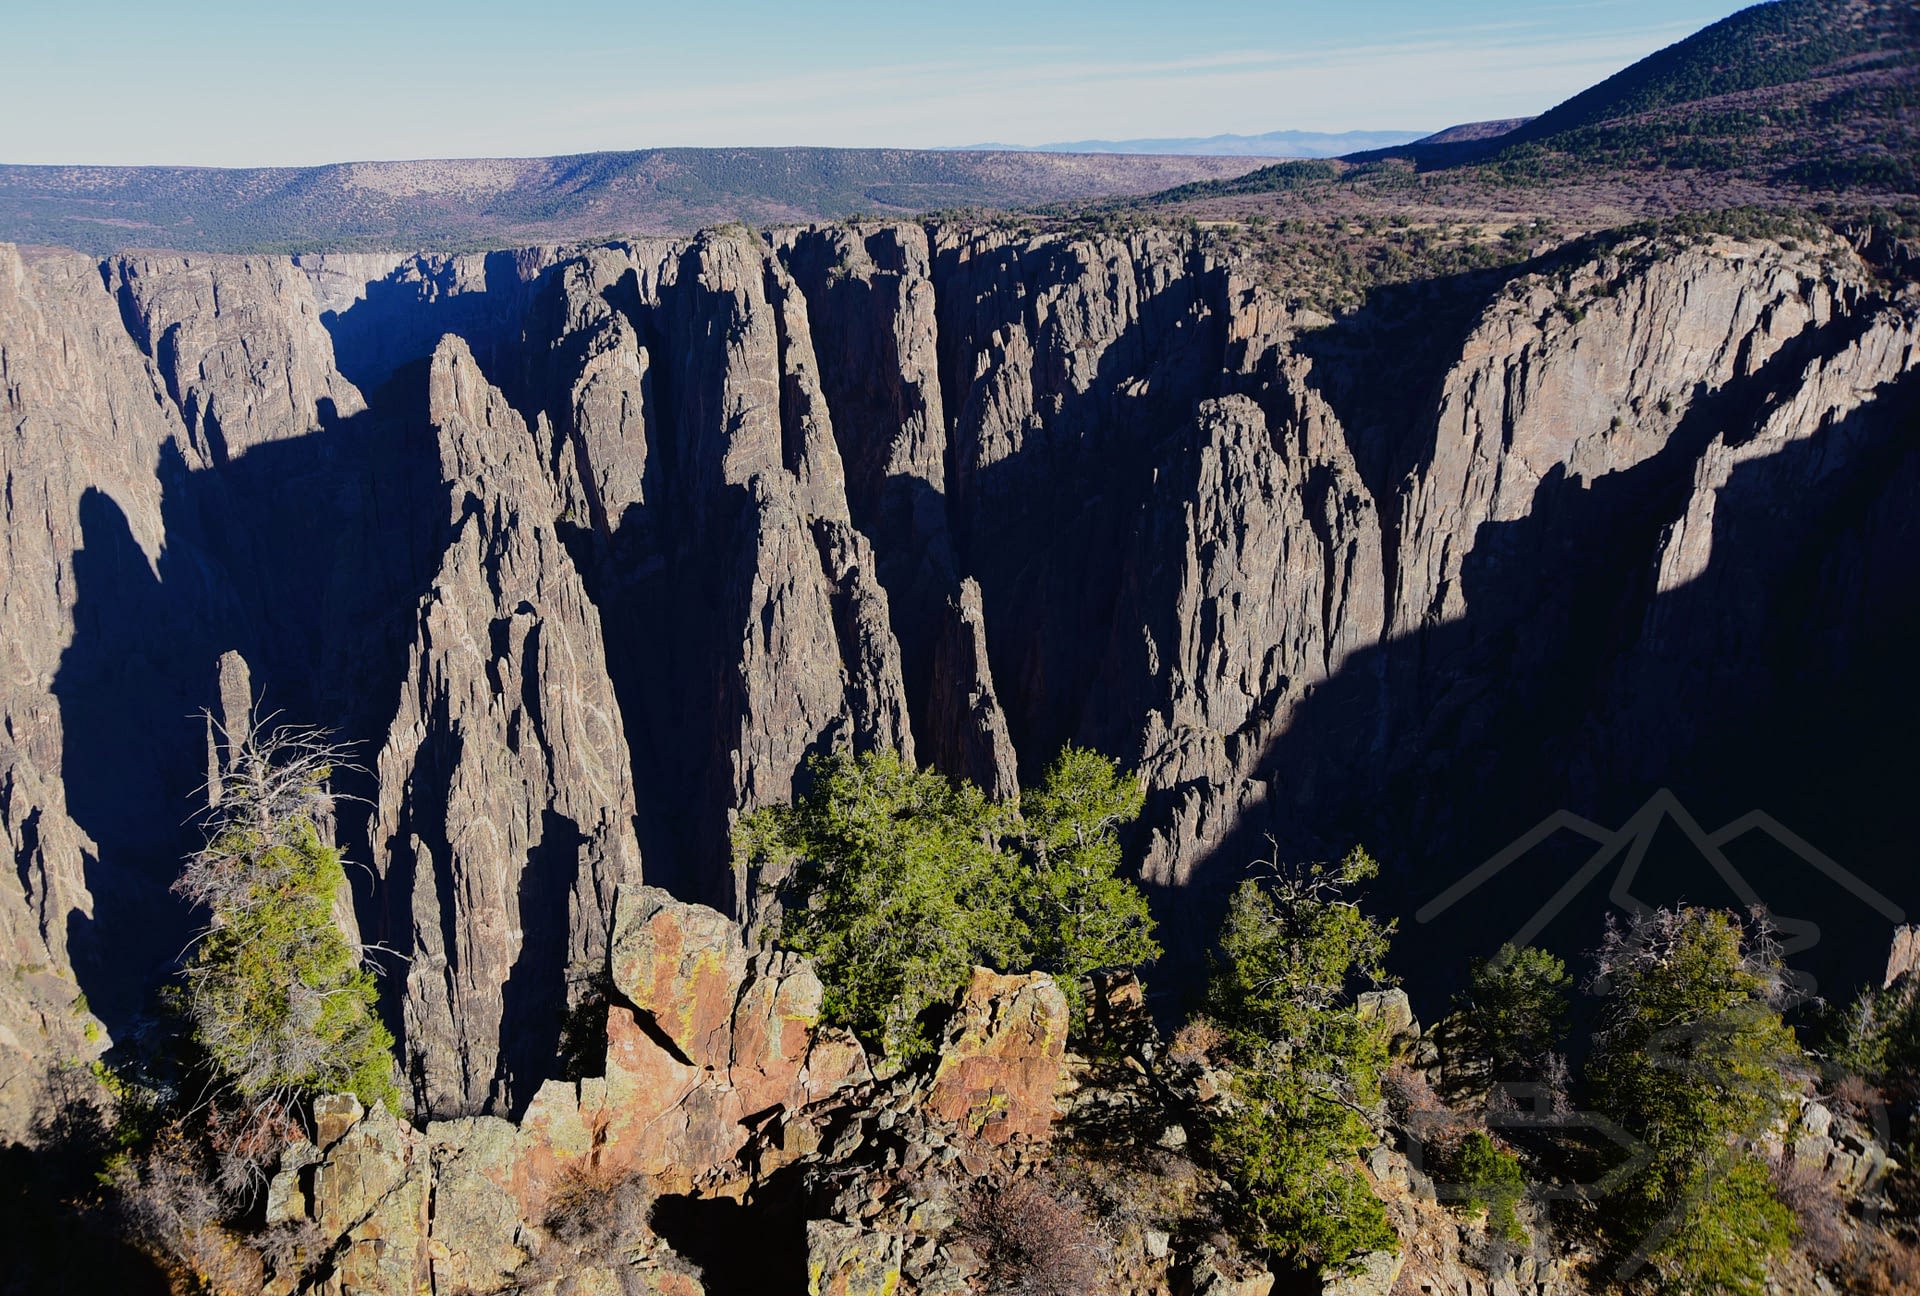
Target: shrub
(1818,1209)
(294,1252)
(895,884)
(1430,1125)
(1035,1240)
(176,1207)
(598,1223)
(1494,1183)
(1196,1041)
(1730,1223)
(1891,1267)
(1290,950)
(1877,1038)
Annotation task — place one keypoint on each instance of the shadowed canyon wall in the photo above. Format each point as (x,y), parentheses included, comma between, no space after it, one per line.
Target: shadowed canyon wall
(588,552)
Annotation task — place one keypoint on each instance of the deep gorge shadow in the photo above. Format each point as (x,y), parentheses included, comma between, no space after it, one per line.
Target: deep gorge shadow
(401,319)
(1045,528)
(56,1235)
(1777,680)
(307,556)
(531,1020)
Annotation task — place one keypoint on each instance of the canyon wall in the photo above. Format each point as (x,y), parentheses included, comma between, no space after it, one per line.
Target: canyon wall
(588,552)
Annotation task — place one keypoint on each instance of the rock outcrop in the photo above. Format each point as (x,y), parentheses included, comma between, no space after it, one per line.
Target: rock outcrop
(1002,1057)
(718,1081)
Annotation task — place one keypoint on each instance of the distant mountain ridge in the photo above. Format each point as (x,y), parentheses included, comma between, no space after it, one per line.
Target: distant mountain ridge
(454,204)
(1271,144)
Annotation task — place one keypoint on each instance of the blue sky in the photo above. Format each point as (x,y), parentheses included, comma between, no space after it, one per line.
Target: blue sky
(217,82)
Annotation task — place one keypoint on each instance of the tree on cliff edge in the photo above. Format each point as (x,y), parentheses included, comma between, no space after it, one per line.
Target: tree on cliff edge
(277,995)
(897,881)
(1693,1057)
(1306,1063)
(1080,914)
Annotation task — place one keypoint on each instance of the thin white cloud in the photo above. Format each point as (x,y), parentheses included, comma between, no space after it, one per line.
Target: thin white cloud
(615,97)
(1406,83)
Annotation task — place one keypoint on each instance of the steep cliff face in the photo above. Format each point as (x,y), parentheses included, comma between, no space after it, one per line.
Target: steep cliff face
(239,346)
(505,809)
(684,399)
(82,437)
(591,551)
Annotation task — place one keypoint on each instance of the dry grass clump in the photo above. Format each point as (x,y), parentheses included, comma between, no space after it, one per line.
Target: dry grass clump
(596,1220)
(1422,1114)
(176,1209)
(1197,1041)
(1890,1268)
(1818,1208)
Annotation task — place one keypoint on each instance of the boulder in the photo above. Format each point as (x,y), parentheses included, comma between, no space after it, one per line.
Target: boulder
(478,1216)
(1372,1274)
(843,1260)
(371,1193)
(1210,1278)
(1902,957)
(705,1044)
(680,966)
(1002,1057)
(709,1041)
(1394,1009)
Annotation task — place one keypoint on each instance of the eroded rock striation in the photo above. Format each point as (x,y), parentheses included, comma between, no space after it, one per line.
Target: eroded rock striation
(505,807)
(589,551)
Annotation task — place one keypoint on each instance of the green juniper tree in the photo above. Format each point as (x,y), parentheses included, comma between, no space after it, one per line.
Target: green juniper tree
(1692,1057)
(1516,1009)
(1079,914)
(895,883)
(1306,1063)
(1877,1038)
(898,881)
(1495,1182)
(278,997)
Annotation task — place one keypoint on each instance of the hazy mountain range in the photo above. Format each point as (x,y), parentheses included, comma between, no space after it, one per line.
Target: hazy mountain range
(1272,144)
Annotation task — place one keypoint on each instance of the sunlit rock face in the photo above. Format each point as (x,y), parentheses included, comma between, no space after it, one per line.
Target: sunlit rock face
(588,552)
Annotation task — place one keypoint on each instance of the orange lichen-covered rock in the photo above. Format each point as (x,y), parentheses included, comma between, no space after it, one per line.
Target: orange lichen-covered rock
(1001,1059)
(708,1038)
(682,966)
(705,1043)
